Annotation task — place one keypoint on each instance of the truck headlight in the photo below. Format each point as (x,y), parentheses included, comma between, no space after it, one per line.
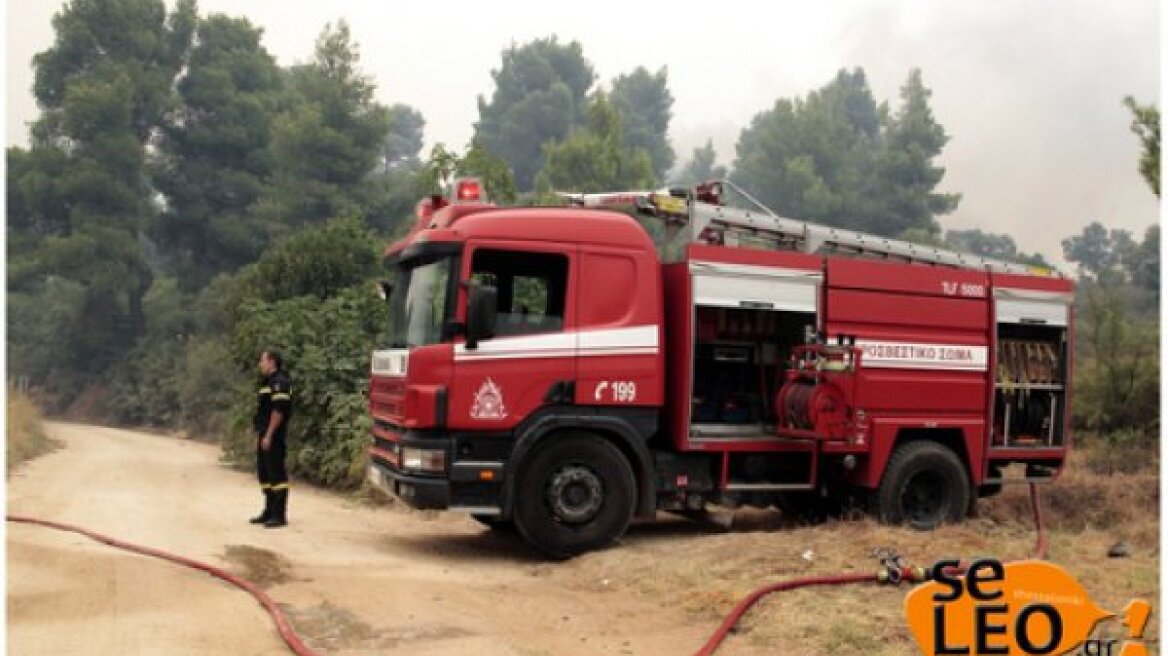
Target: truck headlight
(427,460)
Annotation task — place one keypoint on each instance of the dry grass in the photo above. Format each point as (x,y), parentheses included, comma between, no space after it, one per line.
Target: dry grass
(1124,505)
(703,574)
(26,437)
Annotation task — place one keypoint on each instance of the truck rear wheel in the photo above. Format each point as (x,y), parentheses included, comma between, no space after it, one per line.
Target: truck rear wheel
(924,485)
(576,494)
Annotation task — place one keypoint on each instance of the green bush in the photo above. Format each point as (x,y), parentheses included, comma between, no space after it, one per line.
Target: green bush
(42,342)
(145,384)
(210,386)
(326,347)
(25,431)
(1117,375)
(318,262)
(143,387)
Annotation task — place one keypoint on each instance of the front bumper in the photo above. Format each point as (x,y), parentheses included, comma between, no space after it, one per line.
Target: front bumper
(422,492)
(471,483)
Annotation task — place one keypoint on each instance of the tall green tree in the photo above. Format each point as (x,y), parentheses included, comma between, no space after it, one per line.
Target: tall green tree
(102,88)
(595,158)
(1117,381)
(838,157)
(391,190)
(912,142)
(403,143)
(985,244)
(1146,126)
(1100,253)
(997,246)
(646,107)
(214,153)
(1143,262)
(540,94)
(701,167)
(36,207)
(816,157)
(328,140)
(132,44)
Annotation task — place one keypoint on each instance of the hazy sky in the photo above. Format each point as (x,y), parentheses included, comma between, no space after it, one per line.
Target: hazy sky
(1030,91)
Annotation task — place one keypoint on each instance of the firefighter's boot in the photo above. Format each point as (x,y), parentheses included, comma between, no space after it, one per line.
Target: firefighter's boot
(263,517)
(279,516)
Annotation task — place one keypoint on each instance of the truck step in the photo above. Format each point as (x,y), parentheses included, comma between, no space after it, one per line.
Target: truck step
(767,487)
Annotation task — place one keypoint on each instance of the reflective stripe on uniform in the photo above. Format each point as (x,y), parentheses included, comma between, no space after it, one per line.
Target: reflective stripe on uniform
(265,486)
(265,390)
(281,396)
(280,486)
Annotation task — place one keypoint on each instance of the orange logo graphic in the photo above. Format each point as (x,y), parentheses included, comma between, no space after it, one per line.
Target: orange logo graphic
(1025,608)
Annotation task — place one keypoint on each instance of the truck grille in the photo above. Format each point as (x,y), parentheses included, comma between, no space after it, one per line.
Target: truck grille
(387,398)
(385,444)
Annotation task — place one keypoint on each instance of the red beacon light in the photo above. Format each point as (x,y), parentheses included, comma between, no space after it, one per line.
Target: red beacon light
(469,190)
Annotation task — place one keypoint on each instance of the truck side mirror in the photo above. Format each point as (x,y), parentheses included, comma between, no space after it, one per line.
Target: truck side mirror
(481,310)
(384,289)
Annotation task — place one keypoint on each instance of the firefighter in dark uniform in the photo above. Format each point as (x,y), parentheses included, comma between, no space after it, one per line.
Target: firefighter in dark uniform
(273,410)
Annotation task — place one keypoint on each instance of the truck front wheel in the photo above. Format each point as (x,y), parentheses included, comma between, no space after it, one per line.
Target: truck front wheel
(575,494)
(924,485)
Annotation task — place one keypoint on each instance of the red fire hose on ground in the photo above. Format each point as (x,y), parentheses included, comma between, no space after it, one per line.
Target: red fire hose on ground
(282,624)
(891,574)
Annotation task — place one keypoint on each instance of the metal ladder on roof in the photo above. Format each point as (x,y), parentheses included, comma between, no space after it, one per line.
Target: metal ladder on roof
(708,220)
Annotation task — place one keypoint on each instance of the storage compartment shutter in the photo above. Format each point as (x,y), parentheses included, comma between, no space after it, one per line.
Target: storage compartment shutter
(1019,306)
(717,284)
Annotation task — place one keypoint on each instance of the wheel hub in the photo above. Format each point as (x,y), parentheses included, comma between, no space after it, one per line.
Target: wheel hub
(575,494)
(923,499)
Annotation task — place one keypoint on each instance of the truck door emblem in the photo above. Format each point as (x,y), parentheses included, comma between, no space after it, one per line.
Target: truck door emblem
(488,402)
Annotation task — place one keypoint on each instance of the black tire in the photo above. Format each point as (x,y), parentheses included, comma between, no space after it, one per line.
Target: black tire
(575,494)
(493,522)
(925,485)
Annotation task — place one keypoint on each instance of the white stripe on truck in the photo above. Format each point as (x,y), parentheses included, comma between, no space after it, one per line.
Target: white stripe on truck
(637,340)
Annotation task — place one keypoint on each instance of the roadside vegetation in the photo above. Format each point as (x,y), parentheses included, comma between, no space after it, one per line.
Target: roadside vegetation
(25,431)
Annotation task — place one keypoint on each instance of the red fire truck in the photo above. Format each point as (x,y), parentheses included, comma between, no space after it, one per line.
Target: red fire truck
(546,368)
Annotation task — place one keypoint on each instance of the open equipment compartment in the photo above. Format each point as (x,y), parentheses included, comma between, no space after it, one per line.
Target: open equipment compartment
(1030,384)
(740,356)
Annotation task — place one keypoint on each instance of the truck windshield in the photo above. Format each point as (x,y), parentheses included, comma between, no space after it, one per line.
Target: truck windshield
(417,305)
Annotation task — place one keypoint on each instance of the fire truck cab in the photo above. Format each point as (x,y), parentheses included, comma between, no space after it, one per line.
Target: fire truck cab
(546,369)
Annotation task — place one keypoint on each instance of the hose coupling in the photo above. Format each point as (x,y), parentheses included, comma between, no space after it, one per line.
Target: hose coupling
(897,574)
(889,574)
(917,574)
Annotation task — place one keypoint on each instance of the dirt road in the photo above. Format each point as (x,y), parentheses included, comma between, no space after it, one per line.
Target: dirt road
(355,579)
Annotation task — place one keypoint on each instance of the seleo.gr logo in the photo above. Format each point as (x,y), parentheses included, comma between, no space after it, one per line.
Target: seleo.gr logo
(1025,608)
